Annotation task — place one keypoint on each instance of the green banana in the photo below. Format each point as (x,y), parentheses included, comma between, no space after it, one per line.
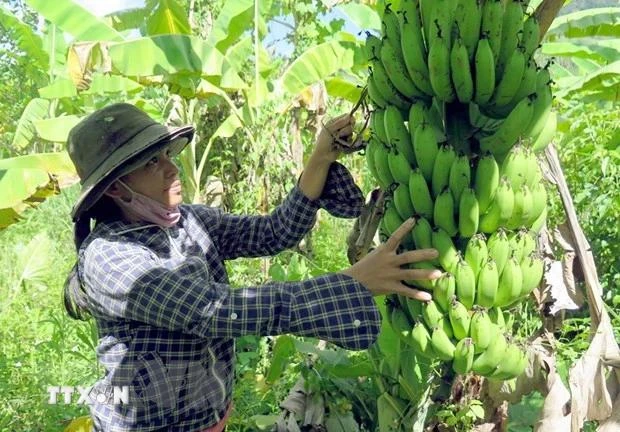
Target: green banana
(468,18)
(369,155)
(511,79)
(443,213)
(480,330)
(481,121)
(487,361)
(390,26)
(426,9)
(518,242)
(528,82)
(421,233)
(500,142)
(522,208)
(531,35)
(529,243)
(484,71)
(391,58)
(459,319)
(463,356)
(515,167)
(420,340)
(491,25)
(460,176)
(510,283)
(385,88)
(441,168)
(486,181)
(444,290)
(532,269)
(461,72)
(539,202)
(439,70)
(431,314)
(487,284)
(372,47)
(496,315)
(540,221)
(465,283)
(476,252)
(425,147)
(397,133)
(382,166)
(469,213)
(421,113)
(512,28)
(499,249)
(441,24)
(377,99)
(402,202)
(401,325)
(534,174)
(391,218)
(420,195)
(542,104)
(414,308)
(513,364)
(412,46)
(500,210)
(377,124)
(399,166)
(547,134)
(448,255)
(444,324)
(442,345)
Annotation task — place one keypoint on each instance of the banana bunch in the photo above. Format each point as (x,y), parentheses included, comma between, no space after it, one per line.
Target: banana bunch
(472,339)
(460,109)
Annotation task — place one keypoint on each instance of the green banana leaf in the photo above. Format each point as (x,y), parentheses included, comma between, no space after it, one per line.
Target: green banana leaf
(56,47)
(26,181)
(103,84)
(34,262)
(128,19)
(316,64)
(596,50)
(75,20)
(234,19)
(339,87)
(168,18)
(36,109)
(604,81)
(25,38)
(361,15)
(56,129)
(171,54)
(239,54)
(283,351)
(586,23)
(61,88)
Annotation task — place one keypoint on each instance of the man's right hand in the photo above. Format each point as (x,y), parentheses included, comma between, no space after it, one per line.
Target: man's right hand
(381,273)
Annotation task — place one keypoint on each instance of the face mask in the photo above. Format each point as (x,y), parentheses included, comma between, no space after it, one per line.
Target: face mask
(148,209)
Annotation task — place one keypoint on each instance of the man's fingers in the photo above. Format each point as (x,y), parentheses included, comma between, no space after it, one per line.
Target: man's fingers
(344,132)
(417,256)
(400,233)
(412,293)
(422,274)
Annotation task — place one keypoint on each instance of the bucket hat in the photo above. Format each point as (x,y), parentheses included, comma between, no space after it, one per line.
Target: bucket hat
(114,141)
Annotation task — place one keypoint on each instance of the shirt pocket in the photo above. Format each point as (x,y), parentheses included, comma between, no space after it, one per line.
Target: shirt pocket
(153,388)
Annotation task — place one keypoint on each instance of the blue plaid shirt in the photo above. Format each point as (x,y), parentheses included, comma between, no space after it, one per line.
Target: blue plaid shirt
(167,316)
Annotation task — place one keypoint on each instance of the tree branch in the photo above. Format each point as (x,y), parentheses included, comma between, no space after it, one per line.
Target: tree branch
(546,13)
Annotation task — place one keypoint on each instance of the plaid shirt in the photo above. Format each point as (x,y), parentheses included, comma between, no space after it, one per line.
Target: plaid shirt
(167,316)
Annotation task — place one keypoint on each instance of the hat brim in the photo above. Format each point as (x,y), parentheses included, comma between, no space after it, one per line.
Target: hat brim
(133,155)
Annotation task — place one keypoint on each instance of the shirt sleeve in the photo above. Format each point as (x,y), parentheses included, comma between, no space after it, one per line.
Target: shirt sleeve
(123,281)
(254,236)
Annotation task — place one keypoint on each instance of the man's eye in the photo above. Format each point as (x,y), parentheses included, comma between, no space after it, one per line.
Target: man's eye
(153,161)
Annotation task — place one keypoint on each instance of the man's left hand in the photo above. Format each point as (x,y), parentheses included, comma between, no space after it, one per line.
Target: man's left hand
(340,127)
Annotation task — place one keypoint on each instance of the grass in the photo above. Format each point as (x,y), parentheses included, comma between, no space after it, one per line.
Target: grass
(43,347)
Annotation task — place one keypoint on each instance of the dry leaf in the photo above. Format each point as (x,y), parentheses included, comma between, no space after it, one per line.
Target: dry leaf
(553,416)
(558,291)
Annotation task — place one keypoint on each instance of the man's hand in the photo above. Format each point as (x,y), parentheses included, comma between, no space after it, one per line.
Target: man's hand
(340,127)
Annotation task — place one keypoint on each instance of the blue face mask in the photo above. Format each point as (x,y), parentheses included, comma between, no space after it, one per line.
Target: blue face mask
(148,209)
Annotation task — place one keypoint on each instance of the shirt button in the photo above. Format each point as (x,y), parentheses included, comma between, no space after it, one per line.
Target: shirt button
(233,316)
(357,323)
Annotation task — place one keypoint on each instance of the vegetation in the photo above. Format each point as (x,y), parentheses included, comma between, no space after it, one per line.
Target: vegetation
(257,104)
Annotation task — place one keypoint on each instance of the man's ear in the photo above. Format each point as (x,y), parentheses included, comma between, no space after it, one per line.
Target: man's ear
(113,191)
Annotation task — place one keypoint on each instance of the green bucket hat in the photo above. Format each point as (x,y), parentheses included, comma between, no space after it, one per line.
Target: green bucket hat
(114,141)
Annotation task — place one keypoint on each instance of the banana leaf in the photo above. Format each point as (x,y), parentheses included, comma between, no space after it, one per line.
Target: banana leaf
(56,129)
(169,18)
(36,109)
(605,82)
(75,20)
(363,16)
(586,23)
(596,50)
(25,38)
